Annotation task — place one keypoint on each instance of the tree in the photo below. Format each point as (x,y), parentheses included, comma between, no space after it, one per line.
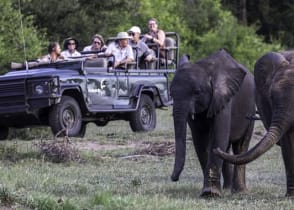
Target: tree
(204,26)
(80,18)
(18,42)
(273,19)
(212,27)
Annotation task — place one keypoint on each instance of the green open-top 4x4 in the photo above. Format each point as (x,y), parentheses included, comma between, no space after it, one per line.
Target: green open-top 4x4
(67,95)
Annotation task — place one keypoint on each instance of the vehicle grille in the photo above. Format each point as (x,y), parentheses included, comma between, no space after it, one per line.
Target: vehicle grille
(12,93)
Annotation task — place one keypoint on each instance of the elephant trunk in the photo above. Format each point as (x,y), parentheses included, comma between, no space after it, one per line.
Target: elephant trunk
(273,135)
(180,127)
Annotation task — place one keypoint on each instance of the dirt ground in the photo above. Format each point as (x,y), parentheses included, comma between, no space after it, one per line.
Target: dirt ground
(155,148)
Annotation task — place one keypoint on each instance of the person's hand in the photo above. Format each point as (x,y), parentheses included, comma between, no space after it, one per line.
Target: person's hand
(149,58)
(147,36)
(116,64)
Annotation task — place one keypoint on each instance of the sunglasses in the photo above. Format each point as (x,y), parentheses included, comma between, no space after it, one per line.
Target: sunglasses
(97,42)
(71,43)
(131,34)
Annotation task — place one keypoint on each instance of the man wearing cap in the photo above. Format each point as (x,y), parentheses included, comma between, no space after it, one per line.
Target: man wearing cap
(142,52)
(121,50)
(70,46)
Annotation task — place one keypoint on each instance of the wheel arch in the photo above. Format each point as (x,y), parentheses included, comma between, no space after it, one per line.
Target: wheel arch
(151,91)
(76,93)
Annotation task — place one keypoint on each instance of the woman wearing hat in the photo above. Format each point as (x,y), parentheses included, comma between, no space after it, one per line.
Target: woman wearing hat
(70,48)
(121,50)
(97,44)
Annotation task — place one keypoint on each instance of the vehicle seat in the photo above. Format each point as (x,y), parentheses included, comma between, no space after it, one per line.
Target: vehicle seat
(97,62)
(170,47)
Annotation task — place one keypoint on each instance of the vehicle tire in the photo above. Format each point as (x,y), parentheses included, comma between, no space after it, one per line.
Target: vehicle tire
(144,118)
(83,130)
(65,118)
(4,131)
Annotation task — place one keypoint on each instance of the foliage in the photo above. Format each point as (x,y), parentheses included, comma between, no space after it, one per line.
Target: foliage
(81,19)
(12,35)
(240,41)
(274,19)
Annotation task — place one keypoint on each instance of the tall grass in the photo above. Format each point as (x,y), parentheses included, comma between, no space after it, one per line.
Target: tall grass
(107,180)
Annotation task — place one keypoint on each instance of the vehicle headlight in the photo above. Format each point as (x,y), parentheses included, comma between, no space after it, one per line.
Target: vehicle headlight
(43,87)
(39,89)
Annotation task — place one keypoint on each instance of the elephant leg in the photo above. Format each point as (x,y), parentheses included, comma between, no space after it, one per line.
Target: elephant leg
(241,146)
(218,137)
(227,172)
(239,180)
(287,144)
(200,134)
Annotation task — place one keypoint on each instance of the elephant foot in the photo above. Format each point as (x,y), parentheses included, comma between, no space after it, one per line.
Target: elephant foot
(210,192)
(290,192)
(240,190)
(227,186)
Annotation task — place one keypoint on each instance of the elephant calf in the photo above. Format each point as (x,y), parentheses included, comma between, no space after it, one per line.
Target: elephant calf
(274,79)
(215,96)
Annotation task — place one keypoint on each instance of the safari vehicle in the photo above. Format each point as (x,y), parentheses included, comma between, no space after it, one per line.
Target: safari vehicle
(69,94)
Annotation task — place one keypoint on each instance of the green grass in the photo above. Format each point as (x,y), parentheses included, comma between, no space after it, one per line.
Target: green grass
(105,179)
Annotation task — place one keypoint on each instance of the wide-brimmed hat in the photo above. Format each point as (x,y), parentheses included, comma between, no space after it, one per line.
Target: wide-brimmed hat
(65,43)
(135,29)
(122,35)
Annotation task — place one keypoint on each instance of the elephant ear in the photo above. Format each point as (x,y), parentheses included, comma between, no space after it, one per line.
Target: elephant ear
(227,78)
(184,59)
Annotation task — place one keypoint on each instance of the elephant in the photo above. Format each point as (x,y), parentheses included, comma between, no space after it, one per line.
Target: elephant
(215,97)
(274,81)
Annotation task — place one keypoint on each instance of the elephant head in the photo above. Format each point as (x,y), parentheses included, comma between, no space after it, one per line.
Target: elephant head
(274,79)
(203,87)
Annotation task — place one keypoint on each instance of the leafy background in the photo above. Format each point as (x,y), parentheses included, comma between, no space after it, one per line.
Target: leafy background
(246,28)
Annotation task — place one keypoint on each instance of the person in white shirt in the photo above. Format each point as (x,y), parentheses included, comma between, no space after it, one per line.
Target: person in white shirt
(70,48)
(121,50)
(97,44)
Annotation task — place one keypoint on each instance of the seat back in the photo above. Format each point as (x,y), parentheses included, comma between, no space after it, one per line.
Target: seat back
(170,52)
(170,44)
(97,62)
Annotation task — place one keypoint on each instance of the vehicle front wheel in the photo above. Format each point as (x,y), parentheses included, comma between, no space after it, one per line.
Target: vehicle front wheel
(144,118)
(66,118)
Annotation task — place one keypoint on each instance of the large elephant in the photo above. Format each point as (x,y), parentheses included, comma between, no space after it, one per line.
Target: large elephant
(215,96)
(274,79)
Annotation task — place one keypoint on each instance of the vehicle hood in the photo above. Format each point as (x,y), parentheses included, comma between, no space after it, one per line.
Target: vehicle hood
(43,72)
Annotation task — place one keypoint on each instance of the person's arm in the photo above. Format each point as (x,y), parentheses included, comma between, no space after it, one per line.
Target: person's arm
(160,39)
(147,52)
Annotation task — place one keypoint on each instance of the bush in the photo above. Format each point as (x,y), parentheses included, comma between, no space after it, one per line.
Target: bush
(240,41)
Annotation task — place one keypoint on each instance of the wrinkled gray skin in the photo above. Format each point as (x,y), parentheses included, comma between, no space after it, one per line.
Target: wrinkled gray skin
(214,96)
(274,78)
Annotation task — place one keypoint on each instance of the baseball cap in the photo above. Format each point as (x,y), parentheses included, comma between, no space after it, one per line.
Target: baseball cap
(135,29)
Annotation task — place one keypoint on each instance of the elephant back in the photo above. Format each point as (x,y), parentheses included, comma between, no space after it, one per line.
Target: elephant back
(264,70)
(265,67)
(289,56)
